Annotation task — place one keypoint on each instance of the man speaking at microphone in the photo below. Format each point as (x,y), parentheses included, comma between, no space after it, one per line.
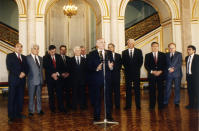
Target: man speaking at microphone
(96,61)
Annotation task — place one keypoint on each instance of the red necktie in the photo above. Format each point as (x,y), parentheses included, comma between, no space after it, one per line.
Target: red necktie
(155,57)
(54,62)
(19,58)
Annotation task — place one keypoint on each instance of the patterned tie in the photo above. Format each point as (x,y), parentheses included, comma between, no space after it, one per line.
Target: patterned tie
(54,62)
(37,62)
(64,59)
(78,60)
(100,55)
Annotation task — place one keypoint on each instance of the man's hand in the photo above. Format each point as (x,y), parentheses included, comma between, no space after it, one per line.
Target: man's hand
(156,73)
(22,75)
(110,65)
(65,75)
(54,76)
(99,67)
(171,70)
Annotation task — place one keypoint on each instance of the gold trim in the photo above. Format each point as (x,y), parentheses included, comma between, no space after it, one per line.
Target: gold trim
(147,42)
(107,9)
(3,51)
(177,10)
(7,47)
(194,9)
(149,35)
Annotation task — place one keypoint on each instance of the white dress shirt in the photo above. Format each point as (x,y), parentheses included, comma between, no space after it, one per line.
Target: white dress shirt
(190,59)
(131,51)
(18,55)
(33,56)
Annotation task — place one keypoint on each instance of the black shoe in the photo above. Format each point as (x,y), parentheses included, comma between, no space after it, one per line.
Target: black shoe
(165,105)
(21,116)
(30,114)
(41,113)
(10,120)
(151,108)
(138,107)
(53,111)
(110,118)
(127,108)
(177,105)
(188,107)
(96,119)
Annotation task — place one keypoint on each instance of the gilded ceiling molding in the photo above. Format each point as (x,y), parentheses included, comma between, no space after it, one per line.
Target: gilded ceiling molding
(195,6)
(44,5)
(22,8)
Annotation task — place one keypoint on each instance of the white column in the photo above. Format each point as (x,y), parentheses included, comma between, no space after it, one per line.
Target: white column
(121,35)
(40,35)
(23,33)
(106,30)
(114,27)
(31,24)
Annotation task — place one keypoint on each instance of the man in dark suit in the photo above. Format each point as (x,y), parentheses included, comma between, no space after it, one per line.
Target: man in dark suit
(174,73)
(192,75)
(100,61)
(85,55)
(35,80)
(155,64)
(54,69)
(115,74)
(66,79)
(132,60)
(17,67)
(78,76)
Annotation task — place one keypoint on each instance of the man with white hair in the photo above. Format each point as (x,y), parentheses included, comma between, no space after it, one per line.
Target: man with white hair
(35,80)
(132,60)
(97,60)
(78,73)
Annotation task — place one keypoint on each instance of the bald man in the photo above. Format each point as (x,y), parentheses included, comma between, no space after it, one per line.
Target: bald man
(132,60)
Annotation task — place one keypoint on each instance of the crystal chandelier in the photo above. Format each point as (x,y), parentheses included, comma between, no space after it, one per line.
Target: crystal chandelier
(70,9)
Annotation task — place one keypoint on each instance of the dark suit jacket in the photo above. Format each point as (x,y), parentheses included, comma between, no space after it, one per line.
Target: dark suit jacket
(67,65)
(78,72)
(49,68)
(176,63)
(97,77)
(194,69)
(117,67)
(150,64)
(132,66)
(15,67)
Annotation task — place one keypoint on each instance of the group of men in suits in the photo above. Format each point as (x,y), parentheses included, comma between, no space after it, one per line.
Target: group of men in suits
(100,71)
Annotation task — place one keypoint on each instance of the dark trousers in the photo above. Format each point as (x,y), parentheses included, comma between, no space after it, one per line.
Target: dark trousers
(55,86)
(66,87)
(97,99)
(136,85)
(115,85)
(153,83)
(15,100)
(192,92)
(78,95)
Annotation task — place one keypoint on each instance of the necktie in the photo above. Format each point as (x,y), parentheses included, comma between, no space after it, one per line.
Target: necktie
(64,59)
(37,62)
(100,55)
(171,56)
(19,58)
(131,56)
(188,65)
(113,57)
(155,58)
(78,60)
(54,62)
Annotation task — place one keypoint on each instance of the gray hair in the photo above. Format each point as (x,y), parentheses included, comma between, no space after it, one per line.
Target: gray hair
(33,45)
(76,48)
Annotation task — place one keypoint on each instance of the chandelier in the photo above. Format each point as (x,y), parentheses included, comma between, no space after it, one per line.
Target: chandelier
(70,9)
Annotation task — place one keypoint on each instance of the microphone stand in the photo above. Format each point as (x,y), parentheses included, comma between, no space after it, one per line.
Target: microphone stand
(105,122)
